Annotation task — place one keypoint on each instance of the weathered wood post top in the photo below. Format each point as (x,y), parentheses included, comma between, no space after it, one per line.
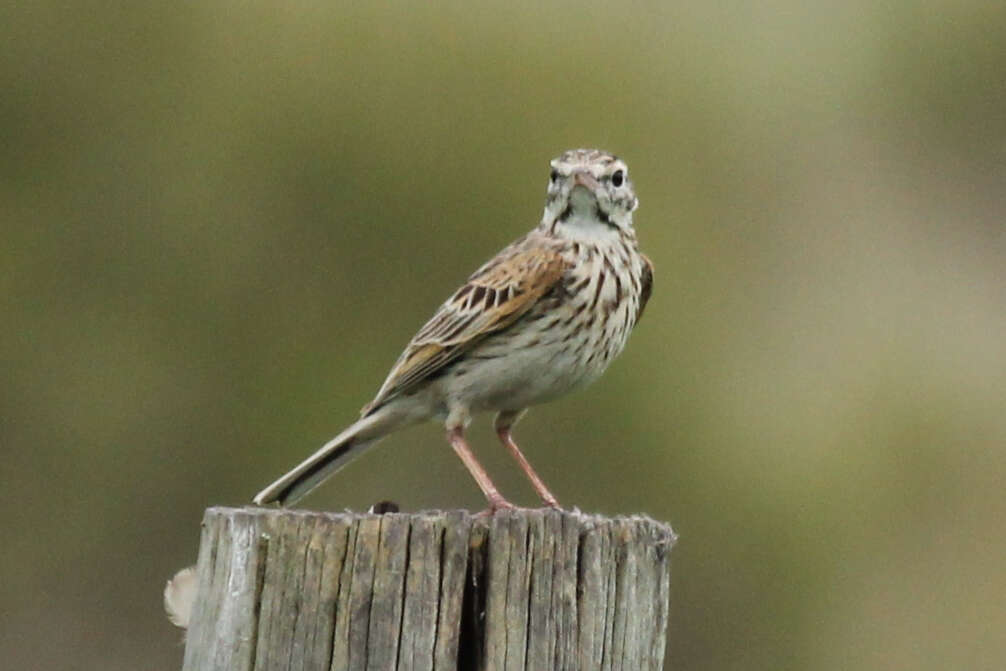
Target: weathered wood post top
(539,590)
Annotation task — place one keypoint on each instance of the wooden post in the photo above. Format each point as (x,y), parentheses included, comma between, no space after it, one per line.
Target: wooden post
(527,590)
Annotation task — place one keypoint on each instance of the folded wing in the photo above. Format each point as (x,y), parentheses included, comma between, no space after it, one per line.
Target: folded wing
(492,299)
(645,286)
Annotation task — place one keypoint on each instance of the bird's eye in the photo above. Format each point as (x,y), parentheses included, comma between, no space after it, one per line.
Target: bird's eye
(554,175)
(618,177)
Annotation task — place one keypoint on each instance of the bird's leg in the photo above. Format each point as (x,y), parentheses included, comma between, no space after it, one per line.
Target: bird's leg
(457,440)
(503,424)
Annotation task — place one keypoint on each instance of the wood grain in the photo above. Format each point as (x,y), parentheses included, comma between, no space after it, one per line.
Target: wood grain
(517,591)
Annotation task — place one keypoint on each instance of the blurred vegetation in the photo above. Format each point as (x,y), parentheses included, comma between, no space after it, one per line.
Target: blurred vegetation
(223,220)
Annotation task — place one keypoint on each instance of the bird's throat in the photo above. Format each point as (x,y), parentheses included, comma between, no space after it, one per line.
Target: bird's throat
(589,225)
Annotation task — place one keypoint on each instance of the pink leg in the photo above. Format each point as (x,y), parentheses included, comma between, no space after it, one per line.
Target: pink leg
(456,438)
(504,423)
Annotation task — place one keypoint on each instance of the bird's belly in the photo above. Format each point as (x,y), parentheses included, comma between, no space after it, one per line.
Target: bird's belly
(516,372)
(520,381)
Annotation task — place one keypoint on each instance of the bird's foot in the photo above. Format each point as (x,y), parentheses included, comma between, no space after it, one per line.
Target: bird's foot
(550,502)
(496,505)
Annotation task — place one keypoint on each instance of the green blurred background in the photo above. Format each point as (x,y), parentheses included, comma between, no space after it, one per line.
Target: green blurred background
(222,221)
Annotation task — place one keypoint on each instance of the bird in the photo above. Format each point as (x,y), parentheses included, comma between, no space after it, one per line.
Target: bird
(543,317)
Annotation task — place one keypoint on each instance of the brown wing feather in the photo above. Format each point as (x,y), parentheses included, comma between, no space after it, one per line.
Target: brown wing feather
(493,298)
(645,286)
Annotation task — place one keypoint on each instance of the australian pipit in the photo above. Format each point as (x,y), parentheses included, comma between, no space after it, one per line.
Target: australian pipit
(544,316)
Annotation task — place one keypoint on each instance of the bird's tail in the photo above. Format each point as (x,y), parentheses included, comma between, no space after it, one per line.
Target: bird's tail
(332,456)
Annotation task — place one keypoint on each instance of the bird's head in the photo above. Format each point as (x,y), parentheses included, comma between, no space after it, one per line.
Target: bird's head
(589,191)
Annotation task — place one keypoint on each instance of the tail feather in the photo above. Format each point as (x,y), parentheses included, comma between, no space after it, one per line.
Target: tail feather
(332,456)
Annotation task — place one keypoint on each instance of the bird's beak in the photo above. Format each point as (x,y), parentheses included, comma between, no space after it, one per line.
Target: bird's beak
(585,179)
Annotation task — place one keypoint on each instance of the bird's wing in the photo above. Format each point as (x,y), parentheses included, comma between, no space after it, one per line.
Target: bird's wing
(645,286)
(494,297)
